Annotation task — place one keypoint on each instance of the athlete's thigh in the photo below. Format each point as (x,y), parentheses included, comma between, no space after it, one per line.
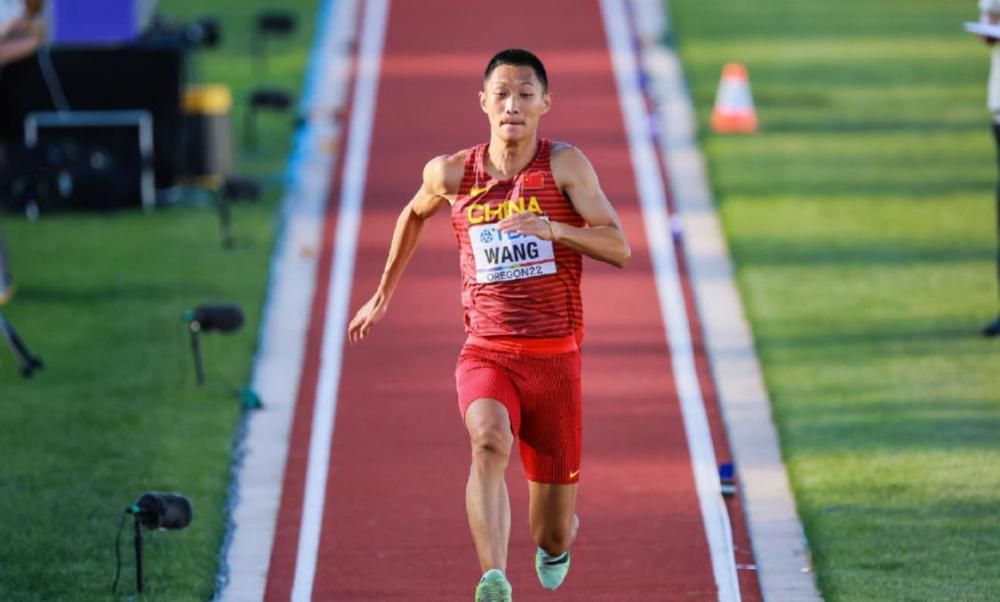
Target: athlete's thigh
(551,420)
(487,415)
(483,383)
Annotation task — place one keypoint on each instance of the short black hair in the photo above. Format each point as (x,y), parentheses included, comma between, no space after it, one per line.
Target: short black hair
(519,58)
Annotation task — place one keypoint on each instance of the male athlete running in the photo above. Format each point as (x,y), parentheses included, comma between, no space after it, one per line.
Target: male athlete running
(524,211)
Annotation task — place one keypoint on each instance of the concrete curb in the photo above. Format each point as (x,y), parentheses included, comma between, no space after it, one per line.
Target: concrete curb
(780,550)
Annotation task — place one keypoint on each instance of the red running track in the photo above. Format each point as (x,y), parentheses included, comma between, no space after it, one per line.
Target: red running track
(394,524)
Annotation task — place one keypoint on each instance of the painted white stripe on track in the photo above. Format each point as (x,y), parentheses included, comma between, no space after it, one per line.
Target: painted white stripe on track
(277,368)
(652,199)
(334,329)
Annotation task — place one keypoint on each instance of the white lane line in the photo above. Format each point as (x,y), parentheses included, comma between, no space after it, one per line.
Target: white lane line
(780,550)
(652,200)
(260,461)
(334,328)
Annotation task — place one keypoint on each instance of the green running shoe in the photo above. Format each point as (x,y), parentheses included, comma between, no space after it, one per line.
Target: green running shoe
(493,587)
(551,570)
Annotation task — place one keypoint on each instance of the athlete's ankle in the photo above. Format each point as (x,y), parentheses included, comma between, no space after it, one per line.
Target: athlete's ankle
(493,570)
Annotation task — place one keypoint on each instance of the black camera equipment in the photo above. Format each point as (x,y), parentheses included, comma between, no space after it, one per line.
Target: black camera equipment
(119,130)
(210,317)
(203,32)
(263,99)
(275,23)
(154,511)
(216,317)
(234,188)
(269,24)
(27,362)
(80,166)
(241,189)
(162,510)
(78,163)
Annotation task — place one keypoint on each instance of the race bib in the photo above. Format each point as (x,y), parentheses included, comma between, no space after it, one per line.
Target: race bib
(503,256)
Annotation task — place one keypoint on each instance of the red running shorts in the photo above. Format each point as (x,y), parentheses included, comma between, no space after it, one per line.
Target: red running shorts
(542,394)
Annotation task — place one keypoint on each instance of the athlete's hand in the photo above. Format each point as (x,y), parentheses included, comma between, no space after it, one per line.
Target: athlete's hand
(526,222)
(370,314)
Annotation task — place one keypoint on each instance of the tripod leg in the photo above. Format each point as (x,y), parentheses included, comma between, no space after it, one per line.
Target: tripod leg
(138,555)
(250,128)
(27,362)
(199,371)
(225,221)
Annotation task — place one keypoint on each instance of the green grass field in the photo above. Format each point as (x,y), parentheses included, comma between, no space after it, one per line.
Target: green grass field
(117,411)
(862,224)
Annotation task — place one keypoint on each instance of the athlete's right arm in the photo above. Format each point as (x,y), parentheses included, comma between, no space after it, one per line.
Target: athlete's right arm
(441,179)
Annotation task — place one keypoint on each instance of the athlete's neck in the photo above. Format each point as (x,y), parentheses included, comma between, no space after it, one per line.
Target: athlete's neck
(505,158)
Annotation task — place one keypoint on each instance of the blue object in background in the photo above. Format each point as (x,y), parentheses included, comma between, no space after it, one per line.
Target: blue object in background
(86,22)
(727,478)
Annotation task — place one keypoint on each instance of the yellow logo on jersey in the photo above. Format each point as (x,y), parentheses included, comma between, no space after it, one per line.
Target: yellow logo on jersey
(474,192)
(478,213)
(573,474)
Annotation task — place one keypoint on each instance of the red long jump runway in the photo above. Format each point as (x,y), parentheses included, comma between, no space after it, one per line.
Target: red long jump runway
(393,520)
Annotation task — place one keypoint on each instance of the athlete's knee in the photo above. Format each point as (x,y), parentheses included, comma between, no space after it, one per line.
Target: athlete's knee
(491,439)
(490,443)
(489,432)
(553,538)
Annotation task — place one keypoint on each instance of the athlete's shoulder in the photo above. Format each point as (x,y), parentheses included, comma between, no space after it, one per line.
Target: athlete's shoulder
(568,156)
(568,162)
(443,174)
(560,147)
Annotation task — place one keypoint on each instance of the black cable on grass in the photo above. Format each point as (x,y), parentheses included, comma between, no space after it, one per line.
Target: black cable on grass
(118,553)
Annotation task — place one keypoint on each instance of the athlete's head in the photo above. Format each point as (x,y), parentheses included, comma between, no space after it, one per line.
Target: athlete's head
(515,94)
(518,57)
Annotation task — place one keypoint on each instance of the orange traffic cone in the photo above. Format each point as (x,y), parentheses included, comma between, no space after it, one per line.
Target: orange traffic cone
(734,112)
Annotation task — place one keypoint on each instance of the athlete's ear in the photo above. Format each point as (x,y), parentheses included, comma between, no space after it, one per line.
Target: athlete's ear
(546,102)
(482,101)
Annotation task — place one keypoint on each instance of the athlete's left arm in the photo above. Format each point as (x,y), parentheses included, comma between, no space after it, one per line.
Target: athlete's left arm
(603,238)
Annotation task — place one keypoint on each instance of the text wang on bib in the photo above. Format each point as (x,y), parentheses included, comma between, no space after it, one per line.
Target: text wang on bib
(503,256)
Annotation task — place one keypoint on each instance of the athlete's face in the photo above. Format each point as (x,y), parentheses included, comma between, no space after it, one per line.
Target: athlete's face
(514,100)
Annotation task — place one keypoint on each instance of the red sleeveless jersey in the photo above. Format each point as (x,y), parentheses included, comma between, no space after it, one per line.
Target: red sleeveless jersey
(515,285)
